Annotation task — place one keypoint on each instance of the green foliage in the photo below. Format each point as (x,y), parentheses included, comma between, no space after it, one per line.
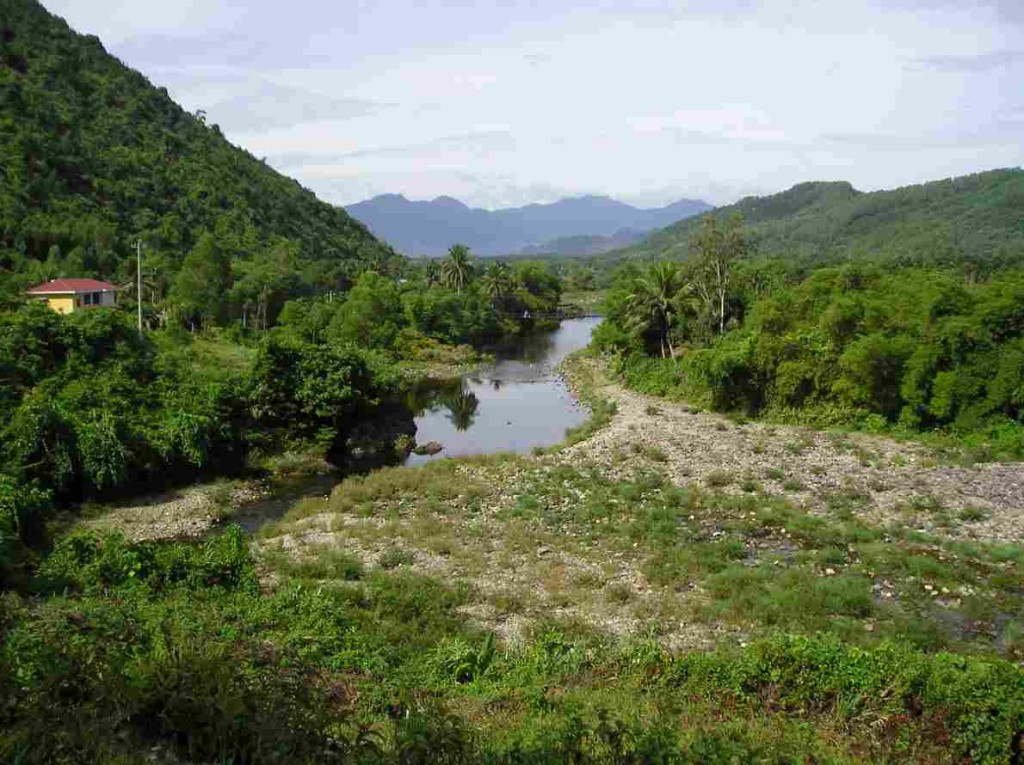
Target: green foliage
(457,661)
(198,290)
(90,562)
(171,649)
(912,349)
(95,157)
(971,222)
(371,313)
(456,269)
(319,390)
(450,316)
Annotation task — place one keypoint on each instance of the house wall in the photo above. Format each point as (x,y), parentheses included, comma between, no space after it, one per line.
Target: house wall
(62,304)
(69,303)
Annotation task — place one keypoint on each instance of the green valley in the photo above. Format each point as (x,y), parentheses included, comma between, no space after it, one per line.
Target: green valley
(785,524)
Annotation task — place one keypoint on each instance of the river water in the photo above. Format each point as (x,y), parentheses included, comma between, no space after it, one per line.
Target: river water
(515,405)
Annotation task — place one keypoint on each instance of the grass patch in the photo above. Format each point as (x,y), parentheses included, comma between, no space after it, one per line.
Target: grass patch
(394,557)
(717,479)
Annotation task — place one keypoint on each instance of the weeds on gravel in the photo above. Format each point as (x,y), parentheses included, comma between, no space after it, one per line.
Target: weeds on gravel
(718,478)
(118,668)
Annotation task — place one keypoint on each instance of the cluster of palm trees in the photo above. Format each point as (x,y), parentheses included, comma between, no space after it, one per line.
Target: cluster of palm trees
(698,289)
(456,272)
(657,298)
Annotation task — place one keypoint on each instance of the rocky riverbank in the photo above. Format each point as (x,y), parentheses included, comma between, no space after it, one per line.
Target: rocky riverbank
(688,527)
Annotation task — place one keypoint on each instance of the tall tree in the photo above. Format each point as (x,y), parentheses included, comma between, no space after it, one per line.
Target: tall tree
(457,270)
(371,314)
(497,282)
(715,247)
(198,290)
(653,304)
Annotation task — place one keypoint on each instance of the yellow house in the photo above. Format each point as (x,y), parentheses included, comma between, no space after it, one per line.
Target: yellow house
(70,295)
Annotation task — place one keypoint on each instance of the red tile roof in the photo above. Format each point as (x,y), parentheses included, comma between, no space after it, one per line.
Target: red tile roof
(63,286)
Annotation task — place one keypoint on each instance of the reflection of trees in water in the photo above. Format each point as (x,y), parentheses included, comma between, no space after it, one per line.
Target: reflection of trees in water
(530,348)
(454,397)
(462,409)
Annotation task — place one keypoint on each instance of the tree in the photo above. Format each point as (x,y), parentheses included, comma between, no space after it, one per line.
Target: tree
(198,290)
(264,281)
(497,282)
(653,303)
(371,313)
(715,248)
(457,270)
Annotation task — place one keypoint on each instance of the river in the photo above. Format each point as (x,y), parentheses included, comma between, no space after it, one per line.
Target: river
(515,405)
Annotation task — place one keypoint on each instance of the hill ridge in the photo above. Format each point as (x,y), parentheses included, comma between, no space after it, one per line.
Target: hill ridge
(93,156)
(978,216)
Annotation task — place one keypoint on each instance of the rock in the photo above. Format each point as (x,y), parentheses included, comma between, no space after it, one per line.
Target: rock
(430,448)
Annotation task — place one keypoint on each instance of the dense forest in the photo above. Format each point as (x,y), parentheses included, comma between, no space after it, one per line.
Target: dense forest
(93,157)
(910,349)
(976,219)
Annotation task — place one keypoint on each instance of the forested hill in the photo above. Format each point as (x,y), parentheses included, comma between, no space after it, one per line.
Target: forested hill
(975,217)
(92,156)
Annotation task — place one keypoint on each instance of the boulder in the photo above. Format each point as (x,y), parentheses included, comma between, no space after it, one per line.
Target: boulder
(430,448)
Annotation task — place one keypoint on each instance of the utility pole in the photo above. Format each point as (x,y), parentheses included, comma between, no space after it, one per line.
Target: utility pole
(138,269)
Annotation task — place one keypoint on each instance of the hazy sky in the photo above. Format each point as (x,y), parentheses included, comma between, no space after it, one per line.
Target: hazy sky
(512,101)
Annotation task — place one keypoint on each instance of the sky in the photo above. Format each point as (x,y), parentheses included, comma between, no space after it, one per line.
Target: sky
(505,102)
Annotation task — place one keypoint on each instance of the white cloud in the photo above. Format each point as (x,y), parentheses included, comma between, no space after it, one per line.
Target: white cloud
(645,100)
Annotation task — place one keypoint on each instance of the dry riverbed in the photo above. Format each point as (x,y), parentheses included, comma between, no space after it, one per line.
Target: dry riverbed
(691,529)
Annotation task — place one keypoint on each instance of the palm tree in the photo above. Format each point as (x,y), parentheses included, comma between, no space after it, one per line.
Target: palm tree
(456,270)
(497,282)
(432,273)
(462,409)
(654,303)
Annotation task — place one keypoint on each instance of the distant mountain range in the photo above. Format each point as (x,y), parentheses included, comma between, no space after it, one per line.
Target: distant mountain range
(577,226)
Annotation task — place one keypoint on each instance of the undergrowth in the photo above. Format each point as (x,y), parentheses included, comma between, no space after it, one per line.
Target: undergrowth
(127,654)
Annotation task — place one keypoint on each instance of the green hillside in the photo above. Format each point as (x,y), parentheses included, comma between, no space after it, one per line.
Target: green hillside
(93,156)
(975,217)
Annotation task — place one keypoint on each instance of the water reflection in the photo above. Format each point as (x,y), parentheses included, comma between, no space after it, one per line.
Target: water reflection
(515,405)
(462,409)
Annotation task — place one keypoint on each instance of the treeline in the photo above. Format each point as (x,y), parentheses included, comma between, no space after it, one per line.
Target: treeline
(93,157)
(911,349)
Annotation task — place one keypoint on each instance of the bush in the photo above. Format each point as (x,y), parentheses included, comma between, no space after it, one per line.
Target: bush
(89,562)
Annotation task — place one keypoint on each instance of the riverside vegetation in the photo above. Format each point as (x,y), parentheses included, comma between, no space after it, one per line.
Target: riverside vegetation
(669,585)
